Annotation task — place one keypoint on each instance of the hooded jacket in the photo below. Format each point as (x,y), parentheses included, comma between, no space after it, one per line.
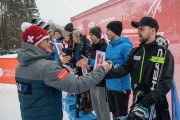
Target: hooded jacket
(118,51)
(40,82)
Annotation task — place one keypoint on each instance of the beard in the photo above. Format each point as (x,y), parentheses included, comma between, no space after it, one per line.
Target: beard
(144,38)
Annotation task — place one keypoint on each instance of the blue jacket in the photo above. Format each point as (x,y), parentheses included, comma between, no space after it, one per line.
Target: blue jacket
(118,51)
(38,101)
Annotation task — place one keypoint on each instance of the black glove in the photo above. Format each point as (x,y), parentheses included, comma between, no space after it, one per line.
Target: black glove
(140,112)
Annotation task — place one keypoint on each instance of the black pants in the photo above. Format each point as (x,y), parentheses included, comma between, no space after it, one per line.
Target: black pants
(118,101)
(162,111)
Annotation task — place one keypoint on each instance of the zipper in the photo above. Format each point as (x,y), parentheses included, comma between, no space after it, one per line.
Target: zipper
(142,64)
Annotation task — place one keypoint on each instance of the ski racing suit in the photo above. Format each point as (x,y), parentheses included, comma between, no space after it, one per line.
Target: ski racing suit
(151,77)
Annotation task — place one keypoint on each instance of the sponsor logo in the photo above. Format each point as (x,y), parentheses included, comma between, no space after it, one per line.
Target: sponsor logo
(80,27)
(137,57)
(39,36)
(1,72)
(154,8)
(7,72)
(63,74)
(25,88)
(91,25)
(129,31)
(156,70)
(107,20)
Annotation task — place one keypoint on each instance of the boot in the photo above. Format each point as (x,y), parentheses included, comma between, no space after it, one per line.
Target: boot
(88,109)
(84,104)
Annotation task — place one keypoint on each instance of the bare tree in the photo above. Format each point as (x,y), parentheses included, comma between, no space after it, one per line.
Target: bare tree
(56,26)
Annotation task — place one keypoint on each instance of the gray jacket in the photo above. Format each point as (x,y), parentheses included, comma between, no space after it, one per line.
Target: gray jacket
(38,84)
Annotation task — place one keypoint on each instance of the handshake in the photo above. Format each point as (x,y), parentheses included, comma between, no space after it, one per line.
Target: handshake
(107,65)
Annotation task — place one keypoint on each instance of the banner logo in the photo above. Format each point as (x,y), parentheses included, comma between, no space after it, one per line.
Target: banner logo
(1,72)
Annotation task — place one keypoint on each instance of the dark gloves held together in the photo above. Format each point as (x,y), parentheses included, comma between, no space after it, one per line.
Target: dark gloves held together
(139,112)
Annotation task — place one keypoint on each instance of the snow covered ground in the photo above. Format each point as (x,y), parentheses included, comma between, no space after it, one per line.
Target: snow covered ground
(9,104)
(9,56)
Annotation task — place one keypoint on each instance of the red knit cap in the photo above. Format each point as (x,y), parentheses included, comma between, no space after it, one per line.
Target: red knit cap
(33,34)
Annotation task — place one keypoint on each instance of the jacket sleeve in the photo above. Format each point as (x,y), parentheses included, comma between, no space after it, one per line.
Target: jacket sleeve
(71,83)
(86,46)
(122,70)
(165,83)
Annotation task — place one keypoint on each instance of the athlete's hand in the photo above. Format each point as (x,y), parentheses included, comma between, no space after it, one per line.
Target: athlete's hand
(106,66)
(64,59)
(111,63)
(82,62)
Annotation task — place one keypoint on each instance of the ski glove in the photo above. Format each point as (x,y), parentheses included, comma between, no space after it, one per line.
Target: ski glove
(140,112)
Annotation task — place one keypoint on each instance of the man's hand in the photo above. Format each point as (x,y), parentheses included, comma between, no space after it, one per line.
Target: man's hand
(64,59)
(97,66)
(106,66)
(82,62)
(87,67)
(111,63)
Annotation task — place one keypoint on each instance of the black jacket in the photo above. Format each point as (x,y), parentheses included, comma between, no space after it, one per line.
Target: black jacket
(101,46)
(142,71)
